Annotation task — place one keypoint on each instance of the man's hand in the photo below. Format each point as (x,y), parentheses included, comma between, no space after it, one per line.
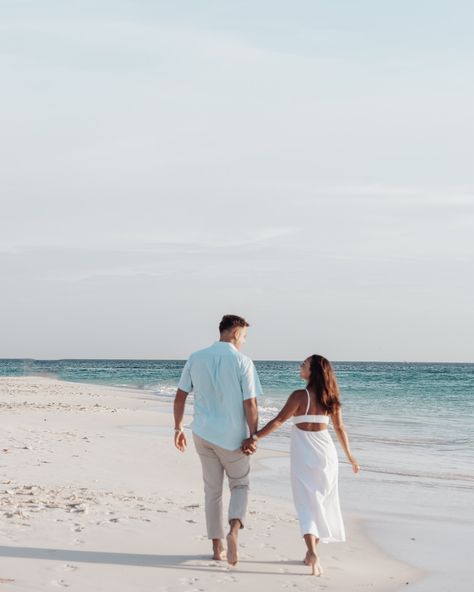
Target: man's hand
(180,441)
(178,408)
(249,446)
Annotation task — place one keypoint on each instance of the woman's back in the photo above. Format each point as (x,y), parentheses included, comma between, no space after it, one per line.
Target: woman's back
(310,415)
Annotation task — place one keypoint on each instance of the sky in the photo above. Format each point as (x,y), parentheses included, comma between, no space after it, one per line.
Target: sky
(305,164)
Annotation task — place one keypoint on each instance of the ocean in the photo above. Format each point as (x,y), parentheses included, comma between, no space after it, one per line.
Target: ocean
(408,423)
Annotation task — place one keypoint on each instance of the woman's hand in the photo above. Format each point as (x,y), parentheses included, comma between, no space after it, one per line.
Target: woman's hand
(355,465)
(249,446)
(180,440)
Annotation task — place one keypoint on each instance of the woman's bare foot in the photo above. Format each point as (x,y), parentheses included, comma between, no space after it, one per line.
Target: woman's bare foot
(232,549)
(313,561)
(311,558)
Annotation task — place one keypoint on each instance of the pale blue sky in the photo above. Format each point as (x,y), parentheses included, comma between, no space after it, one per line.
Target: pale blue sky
(307,164)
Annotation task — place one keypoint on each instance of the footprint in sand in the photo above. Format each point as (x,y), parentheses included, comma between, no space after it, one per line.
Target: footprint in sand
(60,583)
(68,567)
(226,579)
(77,528)
(188,581)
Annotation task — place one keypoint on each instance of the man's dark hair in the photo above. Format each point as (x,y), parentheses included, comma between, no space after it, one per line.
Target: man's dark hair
(231,321)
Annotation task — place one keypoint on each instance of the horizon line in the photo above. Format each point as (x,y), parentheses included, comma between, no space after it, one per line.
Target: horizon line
(254,359)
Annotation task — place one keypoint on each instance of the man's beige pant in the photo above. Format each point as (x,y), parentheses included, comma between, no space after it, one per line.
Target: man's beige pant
(215,460)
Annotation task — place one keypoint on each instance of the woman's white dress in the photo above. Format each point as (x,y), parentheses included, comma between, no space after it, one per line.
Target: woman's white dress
(314,480)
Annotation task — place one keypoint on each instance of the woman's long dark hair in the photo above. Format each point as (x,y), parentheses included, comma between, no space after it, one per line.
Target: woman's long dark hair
(322,381)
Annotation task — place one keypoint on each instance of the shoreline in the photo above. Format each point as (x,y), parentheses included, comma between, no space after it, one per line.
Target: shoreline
(81,508)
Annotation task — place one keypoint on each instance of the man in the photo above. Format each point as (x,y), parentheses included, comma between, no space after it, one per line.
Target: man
(225,385)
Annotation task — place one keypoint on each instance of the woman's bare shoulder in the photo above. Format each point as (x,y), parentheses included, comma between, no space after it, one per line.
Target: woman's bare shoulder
(297,396)
(298,393)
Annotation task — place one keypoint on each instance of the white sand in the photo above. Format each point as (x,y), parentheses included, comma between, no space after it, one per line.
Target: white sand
(90,502)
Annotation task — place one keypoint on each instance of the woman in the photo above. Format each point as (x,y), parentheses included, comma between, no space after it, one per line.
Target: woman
(314,462)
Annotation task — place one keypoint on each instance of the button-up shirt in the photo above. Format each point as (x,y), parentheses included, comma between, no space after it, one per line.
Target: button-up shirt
(221,378)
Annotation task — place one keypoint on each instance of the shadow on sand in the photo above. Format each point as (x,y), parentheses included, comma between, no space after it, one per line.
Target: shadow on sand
(185,562)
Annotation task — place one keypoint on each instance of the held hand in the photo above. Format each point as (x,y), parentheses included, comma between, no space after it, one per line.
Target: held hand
(248,450)
(249,446)
(180,441)
(355,465)
(252,447)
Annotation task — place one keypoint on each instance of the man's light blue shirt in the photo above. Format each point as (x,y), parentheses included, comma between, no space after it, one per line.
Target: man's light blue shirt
(221,378)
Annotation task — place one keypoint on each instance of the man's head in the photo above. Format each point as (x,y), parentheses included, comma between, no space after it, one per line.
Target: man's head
(233,329)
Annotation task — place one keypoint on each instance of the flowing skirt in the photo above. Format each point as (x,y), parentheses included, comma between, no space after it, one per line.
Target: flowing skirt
(314,481)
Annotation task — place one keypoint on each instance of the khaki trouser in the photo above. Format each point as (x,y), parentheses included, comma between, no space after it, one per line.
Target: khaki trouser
(215,460)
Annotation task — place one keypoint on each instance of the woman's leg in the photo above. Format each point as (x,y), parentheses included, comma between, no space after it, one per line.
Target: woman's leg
(312,558)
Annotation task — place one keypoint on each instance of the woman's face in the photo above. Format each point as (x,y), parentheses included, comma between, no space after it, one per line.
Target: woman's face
(305,371)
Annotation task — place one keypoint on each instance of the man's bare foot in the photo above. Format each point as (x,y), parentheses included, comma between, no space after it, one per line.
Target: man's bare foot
(232,549)
(218,551)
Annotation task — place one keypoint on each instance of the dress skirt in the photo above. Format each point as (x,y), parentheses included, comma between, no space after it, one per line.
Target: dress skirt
(314,482)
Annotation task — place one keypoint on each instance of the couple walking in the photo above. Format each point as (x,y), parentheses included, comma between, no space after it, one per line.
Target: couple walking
(226,386)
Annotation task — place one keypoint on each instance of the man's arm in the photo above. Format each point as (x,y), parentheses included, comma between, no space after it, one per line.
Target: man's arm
(251,389)
(179,436)
(251,415)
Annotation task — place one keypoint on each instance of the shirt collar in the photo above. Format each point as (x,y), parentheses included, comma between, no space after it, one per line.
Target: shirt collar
(225,344)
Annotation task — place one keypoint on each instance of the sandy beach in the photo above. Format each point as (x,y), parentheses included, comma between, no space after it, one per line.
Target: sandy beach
(94,497)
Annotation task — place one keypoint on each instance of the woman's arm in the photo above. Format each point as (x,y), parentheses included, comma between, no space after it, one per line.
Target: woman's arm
(287,411)
(341,434)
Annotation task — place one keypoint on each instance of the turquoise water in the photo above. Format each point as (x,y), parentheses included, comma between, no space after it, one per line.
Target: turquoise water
(406,421)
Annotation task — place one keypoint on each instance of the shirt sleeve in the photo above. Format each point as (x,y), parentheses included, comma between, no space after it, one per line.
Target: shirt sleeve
(185,382)
(251,386)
